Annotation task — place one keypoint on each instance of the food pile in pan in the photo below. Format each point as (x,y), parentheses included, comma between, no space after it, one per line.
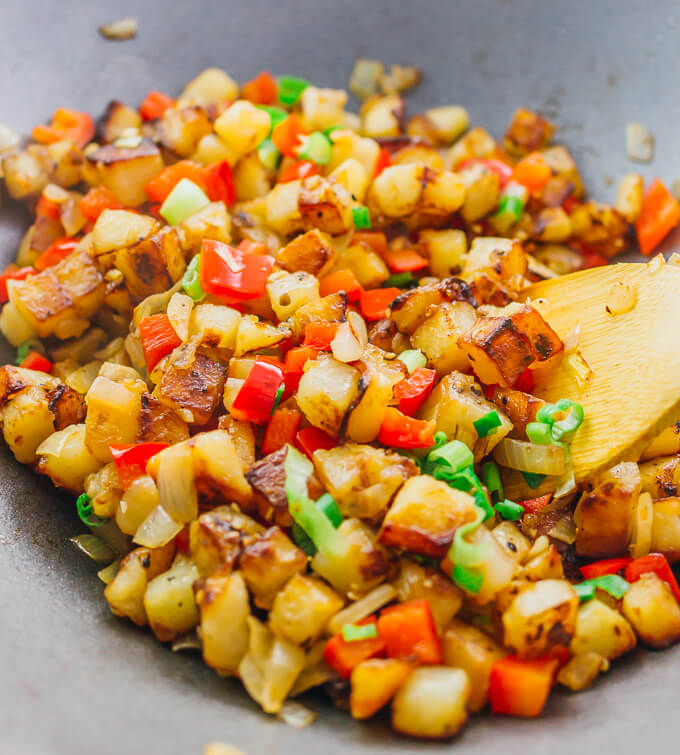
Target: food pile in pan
(280,355)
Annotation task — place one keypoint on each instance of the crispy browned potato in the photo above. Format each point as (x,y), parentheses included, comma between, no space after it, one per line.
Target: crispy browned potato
(181,129)
(217,538)
(195,390)
(527,132)
(520,408)
(653,611)
(153,265)
(125,171)
(117,118)
(411,308)
(325,205)
(311,253)
(160,423)
(661,477)
(331,308)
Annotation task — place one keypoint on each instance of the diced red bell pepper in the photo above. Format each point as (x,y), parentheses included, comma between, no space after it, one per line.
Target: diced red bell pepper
(521,688)
(298,171)
(532,505)
(657,563)
(375,303)
(182,541)
(489,390)
(36,361)
(68,125)
(13,273)
(232,273)
(404,260)
(659,214)
(311,439)
(570,204)
(607,566)
(501,169)
(399,431)
(131,460)
(384,161)
(158,338)
(56,252)
(257,396)
(413,390)
(262,90)
(219,182)
(319,335)
(46,208)
(532,171)
(96,201)
(525,382)
(158,188)
(253,247)
(341,280)
(409,633)
(591,258)
(282,429)
(294,363)
(344,657)
(375,240)
(154,105)
(286,135)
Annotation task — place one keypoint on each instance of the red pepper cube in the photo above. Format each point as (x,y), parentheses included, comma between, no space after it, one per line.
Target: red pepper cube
(56,252)
(294,364)
(344,657)
(298,171)
(604,567)
(256,398)
(409,633)
(219,183)
(404,260)
(310,439)
(131,460)
(341,280)
(521,687)
(230,273)
(262,90)
(36,361)
(281,430)
(13,273)
(319,335)
(154,106)
(376,302)
(656,563)
(413,390)
(158,338)
(536,504)
(399,431)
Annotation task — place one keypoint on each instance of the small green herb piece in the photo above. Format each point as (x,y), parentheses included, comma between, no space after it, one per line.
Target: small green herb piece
(510,510)
(291,88)
(487,424)
(469,580)
(86,512)
(356,632)
(361,217)
(191,280)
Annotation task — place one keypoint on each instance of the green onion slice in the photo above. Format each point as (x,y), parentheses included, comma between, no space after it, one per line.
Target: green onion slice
(184,200)
(317,148)
(356,632)
(291,88)
(86,512)
(191,280)
(276,114)
(492,480)
(455,454)
(510,510)
(361,217)
(269,155)
(487,424)
(400,280)
(413,358)
(612,584)
(469,580)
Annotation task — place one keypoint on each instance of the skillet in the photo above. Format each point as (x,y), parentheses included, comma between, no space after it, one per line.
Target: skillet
(73,678)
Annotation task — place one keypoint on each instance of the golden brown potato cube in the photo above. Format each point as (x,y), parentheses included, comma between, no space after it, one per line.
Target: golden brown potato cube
(541,618)
(216,540)
(212,222)
(468,648)
(268,563)
(46,231)
(361,567)
(661,477)
(545,565)
(368,267)
(160,423)
(543,342)
(563,164)
(362,479)
(601,227)
(445,250)
(113,417)
(552,224)
(649,605)
(311,253)
(242,436)
(325,205)
(26,174)
(218,469)
(195,390)
(281,208)
(302,609)
(505,257)
(331,308)
(482,189)
(411,308)
(527,132)
(416,582)
(152,265)
(666,528)
(212,86)
(169,600)
(383,115)
(520,408)
(327,390)
(477,143)
(180,130)
(603,515)
(419,153)
(67,406)
(26,422)
(374,683)
(104,491)
(65,459)
(602,630)
(125,171)
(440,125)
(582,670)
(425,516)
(437,337)
(117,118)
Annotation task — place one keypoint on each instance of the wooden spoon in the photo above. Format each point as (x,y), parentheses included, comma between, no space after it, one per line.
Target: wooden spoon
(629,317)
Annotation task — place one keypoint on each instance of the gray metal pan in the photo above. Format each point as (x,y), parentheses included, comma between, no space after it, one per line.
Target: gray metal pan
(74,679)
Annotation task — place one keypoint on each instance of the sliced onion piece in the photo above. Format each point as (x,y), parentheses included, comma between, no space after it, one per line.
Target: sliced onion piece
(189,641)
(296,715)
(358,326)
(643,519)
(108,573)
(125,28)
(94,547)
(176,484)
(345,346)
(157,529)
(564,530)
(530,457)
(179,312)
(362,608)
(54,444)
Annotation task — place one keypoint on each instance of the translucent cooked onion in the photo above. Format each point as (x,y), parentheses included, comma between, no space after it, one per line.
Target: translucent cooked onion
(82,378)
(176,484)
(133,346)
(345,346)
(154,304)
(189,641)
(564,530)
(157,529)
(530,457)
(108,573)
(362,608)
(179,312)
(643,518)
(94,547)
(358,325)
(296,715)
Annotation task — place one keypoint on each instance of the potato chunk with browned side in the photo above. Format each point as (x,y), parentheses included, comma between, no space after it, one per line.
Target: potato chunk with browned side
(410,309)
(195,391)
(528,131)
(311,253)
(602,630)
(650,606)
(326,392)
(154,264)
(125,171)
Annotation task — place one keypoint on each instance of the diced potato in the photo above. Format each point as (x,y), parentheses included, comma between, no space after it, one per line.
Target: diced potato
(322,108)
(136,503)
(224,610)
(325,205)
(331,308)
(374,683)
(353,177)
(211,87)
(661,476)
(368,267)
(509,537)
(441,125)
(282,212)
(432,703)
(65,458)
(541,617)
(477,143)
(602,630)
(425,516)
(410,309)
(26,173)
(169,600)
(653,611)
(310,253)
(364,565)
(152,265)
(445,250)
(362,479)
(194,390)
(160,423)
(416,582)
(349,145)
(527,132)
(113,416)
(437,337)
(629,196)
(242,126)
(544,565)
(125,171)
(582,670)
(455,405)
(251,178)
(26,422)
(505,257)
(125,593)
(666,528)
(268,563)
(256,335)
(466,647)
(382,116)
(604,515)
(180,130)
(326,391)
(103,490)
(520,408)
(211,149)
(482,189)
(562,164)
(14,326)
(212,222)
(302,609)
(418,153)
(242,436)
(290,291)
(218,469)
(117,119)
(601,227)
(215,324)
(666,442)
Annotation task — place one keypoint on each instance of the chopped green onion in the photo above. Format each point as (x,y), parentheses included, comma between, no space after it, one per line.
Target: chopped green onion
(302,540)
(400,280)
(184,200)
(540,433)
(487,424)
(277,398)
(330,129)
(564,429)
(412,358)
(191,280)
(290,89)
(464,553)
(86,512)
(356,632)
(492,479)
(269,155)
(510,510)
(329,506)
(511,206)
(361,217)
(455,453)
(276,114)
(612,584)
(585,591)
(532,479)
(33,344)
(467,579)
(317,148)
